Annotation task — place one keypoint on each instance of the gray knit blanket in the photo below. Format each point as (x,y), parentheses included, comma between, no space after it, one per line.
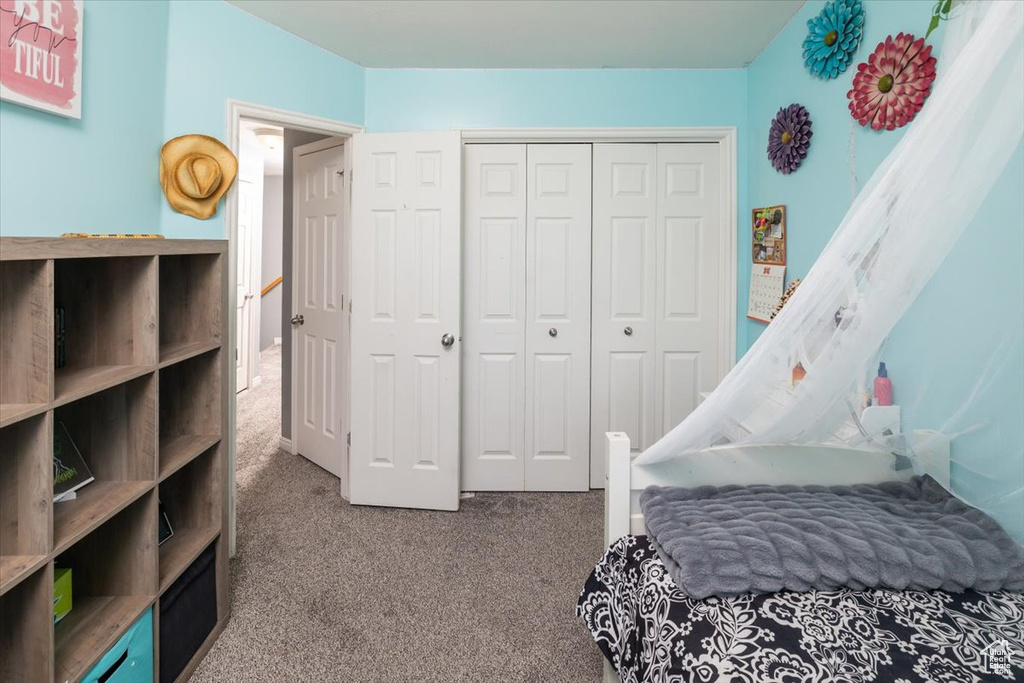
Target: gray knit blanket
(762,539)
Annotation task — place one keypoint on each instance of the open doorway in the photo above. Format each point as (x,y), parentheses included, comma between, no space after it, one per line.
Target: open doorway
(282,282)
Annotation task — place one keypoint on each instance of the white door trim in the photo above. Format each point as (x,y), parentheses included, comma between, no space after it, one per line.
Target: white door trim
(235,110)
(725,136)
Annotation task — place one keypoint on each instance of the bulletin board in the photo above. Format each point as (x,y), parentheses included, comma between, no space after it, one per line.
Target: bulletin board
(768,225)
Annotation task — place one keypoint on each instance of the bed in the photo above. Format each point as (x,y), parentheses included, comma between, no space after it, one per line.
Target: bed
(650,631)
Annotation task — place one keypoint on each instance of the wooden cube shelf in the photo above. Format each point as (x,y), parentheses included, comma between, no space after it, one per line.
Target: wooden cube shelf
(110,310)
(190,314)
(26,338)
(26,476)
(143,396)
(114,574)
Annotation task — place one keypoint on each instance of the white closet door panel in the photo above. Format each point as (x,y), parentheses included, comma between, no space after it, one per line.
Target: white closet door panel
(624,327)
(688,277)
(494,316)
(406,297)
(558,242)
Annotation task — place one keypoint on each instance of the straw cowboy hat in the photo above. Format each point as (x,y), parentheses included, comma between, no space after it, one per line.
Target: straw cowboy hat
(195,172)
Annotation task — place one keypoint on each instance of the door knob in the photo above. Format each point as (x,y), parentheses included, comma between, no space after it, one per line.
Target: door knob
(447,340)
(553,332)
(628,331)
(298,319)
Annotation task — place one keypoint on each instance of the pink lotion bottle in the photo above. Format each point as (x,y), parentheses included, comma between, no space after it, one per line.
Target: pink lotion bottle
(883,387)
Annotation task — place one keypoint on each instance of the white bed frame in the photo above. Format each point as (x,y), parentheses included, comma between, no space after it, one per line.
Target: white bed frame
(774,464)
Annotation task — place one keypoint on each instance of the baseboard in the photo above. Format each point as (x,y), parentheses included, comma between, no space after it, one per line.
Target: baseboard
(277,341)
(256,381)
(287,446)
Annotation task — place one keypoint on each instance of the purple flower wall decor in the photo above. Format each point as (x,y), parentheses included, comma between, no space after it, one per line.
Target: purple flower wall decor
(788,138)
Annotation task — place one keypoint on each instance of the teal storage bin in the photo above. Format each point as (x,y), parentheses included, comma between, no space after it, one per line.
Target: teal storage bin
(131,658)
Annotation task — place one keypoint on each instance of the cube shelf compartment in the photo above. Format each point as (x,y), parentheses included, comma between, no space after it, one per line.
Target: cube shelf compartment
(26,338)
(191,499)
(26,475)
(143,396)
(27,647)
(190,409)
(115,430)
(190,315)
(110,320)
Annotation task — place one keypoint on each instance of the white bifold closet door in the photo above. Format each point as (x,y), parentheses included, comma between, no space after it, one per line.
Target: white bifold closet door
(526,412)
(657,236)
(494,315)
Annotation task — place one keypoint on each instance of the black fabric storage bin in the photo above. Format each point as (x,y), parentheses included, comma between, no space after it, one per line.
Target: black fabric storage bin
(188,612)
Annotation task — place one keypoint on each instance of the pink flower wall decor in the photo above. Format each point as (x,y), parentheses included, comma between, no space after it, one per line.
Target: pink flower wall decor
(891,87)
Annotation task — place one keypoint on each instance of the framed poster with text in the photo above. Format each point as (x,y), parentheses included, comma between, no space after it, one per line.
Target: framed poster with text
(41,55)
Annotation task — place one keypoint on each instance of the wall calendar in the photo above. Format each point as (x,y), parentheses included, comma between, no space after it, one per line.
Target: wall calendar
(766,286)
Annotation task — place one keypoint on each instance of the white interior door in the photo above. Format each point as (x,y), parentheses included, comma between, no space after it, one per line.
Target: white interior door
(688,279)
(249,204)
(624,326)
(558,236)
(494,318)
(320,321)
(250,245)
(405,320)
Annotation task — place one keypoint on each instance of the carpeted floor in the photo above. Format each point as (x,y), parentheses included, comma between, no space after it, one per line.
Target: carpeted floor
(323,591)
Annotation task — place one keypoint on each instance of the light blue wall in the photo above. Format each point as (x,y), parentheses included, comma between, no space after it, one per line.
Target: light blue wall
(440,99)
(97,174)
(974,303)
(217,52)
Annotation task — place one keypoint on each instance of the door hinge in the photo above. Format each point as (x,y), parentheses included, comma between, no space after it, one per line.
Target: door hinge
(348,439)
(350,306)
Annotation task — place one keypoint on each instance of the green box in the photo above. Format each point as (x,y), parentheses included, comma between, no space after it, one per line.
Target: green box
(61,593)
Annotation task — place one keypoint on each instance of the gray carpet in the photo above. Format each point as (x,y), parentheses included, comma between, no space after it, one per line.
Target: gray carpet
(323,591)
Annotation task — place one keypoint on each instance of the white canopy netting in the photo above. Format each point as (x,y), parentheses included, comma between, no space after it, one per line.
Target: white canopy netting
(897,233)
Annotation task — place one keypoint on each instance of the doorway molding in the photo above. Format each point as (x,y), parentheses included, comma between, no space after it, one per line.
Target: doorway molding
(724,137)
(235,111)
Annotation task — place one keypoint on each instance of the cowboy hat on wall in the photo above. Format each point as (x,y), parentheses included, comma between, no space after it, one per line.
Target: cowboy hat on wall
(195,172)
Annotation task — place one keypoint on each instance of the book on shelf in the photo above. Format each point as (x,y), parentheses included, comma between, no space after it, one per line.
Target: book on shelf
(164,530)
(70,472)
(60,338)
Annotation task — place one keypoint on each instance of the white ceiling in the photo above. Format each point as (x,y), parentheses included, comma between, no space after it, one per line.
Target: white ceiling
(534,33)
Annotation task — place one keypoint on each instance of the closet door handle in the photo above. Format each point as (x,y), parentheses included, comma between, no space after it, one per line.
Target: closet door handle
(628,331)
(447,340)
(553,332)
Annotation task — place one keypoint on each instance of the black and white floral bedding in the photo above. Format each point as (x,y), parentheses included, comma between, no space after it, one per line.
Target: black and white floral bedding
(652,632)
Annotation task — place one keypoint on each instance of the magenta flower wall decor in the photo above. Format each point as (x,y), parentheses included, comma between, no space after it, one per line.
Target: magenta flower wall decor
(891,87)
(788,138)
